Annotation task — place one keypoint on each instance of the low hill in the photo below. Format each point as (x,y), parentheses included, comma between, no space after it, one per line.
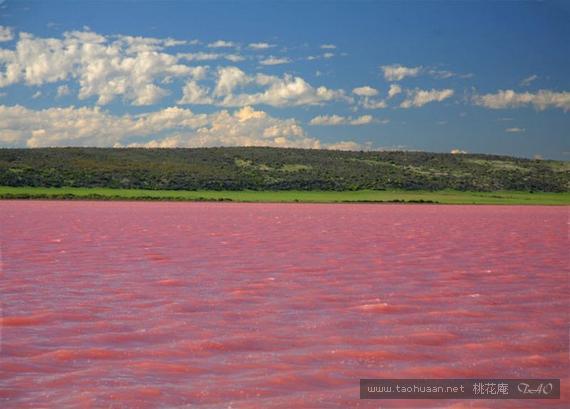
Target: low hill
(258,168)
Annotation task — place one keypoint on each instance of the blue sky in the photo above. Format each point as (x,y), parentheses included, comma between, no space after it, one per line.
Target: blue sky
(486,77)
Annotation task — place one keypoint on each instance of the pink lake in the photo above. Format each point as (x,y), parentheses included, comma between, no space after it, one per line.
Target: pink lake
(226,305)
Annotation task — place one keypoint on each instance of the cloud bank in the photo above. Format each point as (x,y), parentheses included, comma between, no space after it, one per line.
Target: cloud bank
(169,127)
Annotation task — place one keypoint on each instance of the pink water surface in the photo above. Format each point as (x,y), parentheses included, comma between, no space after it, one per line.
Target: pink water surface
(221,305)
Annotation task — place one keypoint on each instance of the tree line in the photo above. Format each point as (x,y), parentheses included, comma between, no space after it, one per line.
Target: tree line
(260,168)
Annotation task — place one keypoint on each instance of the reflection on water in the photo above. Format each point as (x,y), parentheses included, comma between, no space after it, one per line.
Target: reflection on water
(275,306)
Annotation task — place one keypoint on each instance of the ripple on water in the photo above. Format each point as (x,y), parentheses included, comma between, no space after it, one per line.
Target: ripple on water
(274,306)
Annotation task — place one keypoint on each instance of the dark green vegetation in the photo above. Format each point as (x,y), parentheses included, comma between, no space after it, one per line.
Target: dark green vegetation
(289,196)
(274,169)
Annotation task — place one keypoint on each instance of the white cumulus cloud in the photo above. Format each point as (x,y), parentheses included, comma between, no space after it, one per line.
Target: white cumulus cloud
(397,72)
(234,57)
(541,100)
(275,61)
(234,88)
(222,44)
(371,103)
(104,67)
(193,93)
(365,91)
(284,91)
(200,56)
(394,90)
(417,97)
(228,79)
(328,120)
(362,120)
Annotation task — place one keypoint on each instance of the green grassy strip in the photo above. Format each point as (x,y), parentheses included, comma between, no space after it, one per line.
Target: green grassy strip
(443,197)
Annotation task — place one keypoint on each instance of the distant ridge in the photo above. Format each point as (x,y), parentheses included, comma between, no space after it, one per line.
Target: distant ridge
(260,168)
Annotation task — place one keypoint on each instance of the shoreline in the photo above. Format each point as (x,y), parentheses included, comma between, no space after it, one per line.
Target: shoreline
(361,196)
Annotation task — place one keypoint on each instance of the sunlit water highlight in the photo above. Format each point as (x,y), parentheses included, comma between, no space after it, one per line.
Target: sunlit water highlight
(132,304)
